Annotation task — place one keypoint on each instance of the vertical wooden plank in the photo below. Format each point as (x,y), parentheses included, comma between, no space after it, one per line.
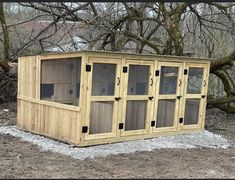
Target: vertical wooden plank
(29,77)
(85,96)
(156,85)
(33,77)
(204,101)
(124,95)
(116,104)
(121,91)
(77,126)
(38,115)
(180,92)
(24,114)
(34,115)
(43,118)
(65,122)
(183,92)
(19,112)
(38,77)
(70,126)
(52,121)
(57,122)
(150,104)
(22,77)
(19,73)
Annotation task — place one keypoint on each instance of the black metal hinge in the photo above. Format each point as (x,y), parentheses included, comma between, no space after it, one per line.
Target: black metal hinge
(121,126)
(203,96)
(125,68)
(88,68)
(152,123)
(157,73)
(84,129)
(185,71)
(181,120)
(151,98)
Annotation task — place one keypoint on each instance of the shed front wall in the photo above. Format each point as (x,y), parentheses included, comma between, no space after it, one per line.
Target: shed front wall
(120,134)
(66,122)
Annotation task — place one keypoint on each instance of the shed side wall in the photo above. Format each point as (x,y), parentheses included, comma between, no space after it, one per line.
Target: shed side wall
(59,121)
(27,76)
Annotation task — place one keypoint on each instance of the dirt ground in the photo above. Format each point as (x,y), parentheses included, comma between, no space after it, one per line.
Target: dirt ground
(20,159)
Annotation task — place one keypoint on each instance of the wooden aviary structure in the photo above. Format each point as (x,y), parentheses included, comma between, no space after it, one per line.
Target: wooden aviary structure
(92,97)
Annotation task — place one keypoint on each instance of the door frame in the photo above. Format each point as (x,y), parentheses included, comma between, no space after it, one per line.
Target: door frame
(201,96)
(90,98)
(127,97)
(159,96)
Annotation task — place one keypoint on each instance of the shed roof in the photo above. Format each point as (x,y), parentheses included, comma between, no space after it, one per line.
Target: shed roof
(127,54)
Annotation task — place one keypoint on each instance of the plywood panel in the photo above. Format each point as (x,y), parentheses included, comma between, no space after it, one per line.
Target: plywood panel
(47,120)
(27,76)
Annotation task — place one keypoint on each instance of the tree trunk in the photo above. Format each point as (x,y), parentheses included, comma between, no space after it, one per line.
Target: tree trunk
(217,68)
(4,64)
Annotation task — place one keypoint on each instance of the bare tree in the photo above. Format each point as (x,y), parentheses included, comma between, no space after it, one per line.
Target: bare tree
(153,27)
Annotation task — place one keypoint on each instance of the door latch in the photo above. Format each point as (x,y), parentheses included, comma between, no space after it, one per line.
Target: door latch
(178,97)
(117,98)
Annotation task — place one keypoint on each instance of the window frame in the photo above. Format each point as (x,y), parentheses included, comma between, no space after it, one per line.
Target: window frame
(39,61)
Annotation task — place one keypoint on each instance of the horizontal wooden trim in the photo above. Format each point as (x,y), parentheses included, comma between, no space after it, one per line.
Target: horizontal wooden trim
(48,103)
(189,127)
(60,56)
(100,136)
(170,64)
(140,62)
(137,97)
(195,64)
(167,96)
(134,132)
(104,60)
(140,136)
(192,96)
(102,98)
(164,129)
(67,141)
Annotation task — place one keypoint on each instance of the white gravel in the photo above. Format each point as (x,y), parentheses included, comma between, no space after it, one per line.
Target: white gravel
(184,141)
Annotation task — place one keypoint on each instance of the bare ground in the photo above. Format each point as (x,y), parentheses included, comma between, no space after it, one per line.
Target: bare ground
(19,159)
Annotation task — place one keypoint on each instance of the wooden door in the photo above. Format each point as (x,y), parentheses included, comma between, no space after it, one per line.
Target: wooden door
(137,97)
(168,96)
(194,99)
(103,98)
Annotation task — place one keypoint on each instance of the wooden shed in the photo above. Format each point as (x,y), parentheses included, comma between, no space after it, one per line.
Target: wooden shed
(94,97)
